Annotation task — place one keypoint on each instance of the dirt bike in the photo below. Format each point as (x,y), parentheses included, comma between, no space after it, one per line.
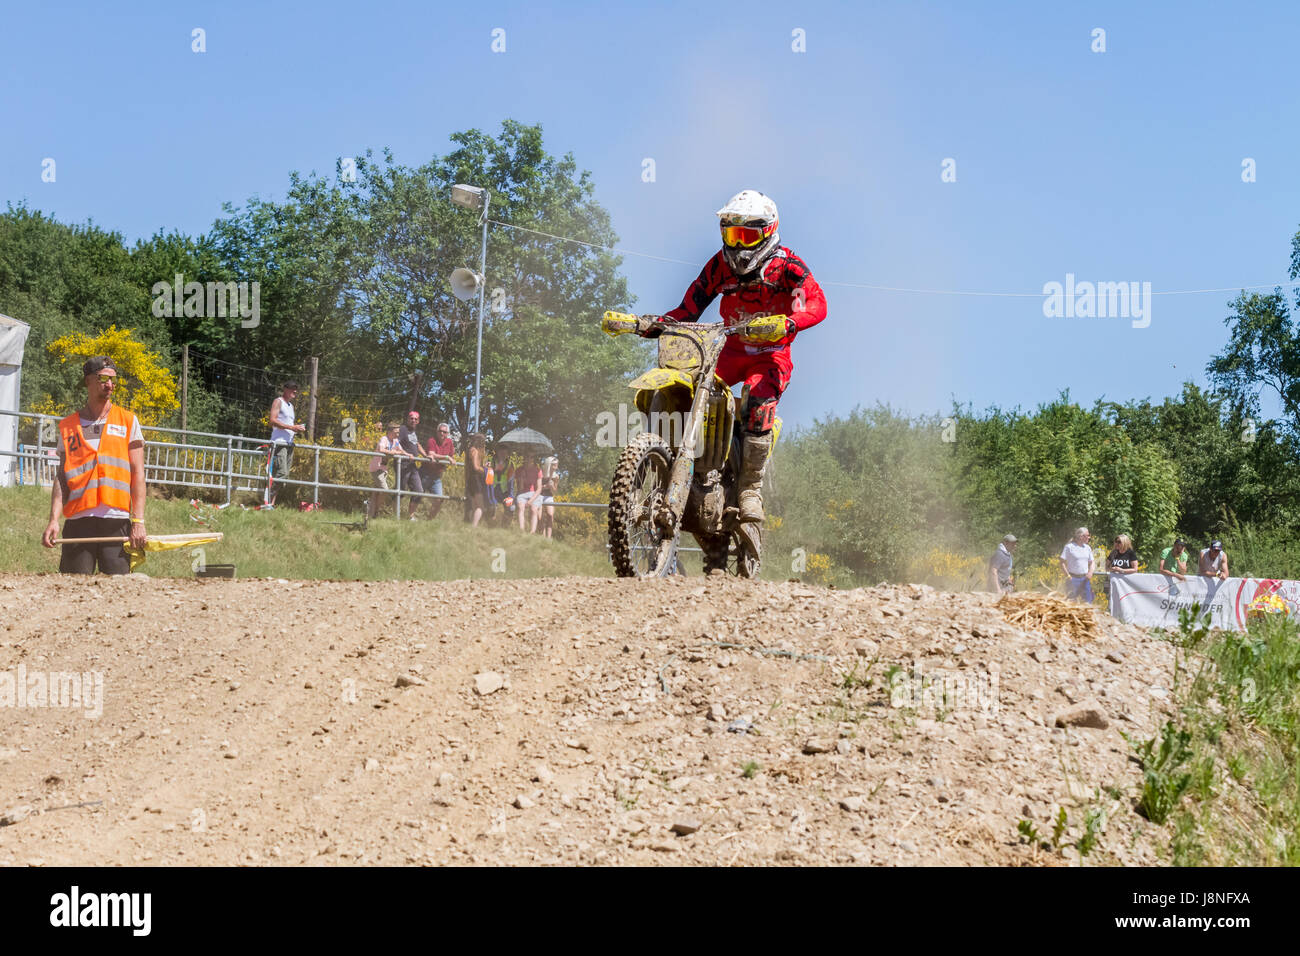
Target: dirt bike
(681,474)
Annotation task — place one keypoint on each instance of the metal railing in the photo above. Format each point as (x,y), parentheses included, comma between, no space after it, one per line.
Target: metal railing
(211,461)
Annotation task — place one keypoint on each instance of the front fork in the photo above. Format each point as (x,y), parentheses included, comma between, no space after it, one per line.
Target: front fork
(668,518)
(679,481)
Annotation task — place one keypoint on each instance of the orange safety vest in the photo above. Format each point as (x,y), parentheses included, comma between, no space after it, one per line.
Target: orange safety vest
(93,478)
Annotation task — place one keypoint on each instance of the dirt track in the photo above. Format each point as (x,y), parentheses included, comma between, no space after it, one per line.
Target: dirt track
(259,722)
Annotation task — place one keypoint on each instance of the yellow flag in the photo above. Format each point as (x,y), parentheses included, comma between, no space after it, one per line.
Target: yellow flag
(168,542)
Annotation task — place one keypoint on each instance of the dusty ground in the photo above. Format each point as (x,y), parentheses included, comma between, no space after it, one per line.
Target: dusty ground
(259,722)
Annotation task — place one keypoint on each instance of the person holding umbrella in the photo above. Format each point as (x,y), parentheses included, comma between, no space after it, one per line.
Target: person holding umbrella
(528,479)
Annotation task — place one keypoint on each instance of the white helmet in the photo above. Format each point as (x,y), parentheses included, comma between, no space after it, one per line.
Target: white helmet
(749,223)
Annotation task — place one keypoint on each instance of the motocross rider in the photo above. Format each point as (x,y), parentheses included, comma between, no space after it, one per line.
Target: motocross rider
(756,276)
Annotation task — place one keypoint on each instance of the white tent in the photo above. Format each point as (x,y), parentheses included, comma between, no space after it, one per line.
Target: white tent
(13,337)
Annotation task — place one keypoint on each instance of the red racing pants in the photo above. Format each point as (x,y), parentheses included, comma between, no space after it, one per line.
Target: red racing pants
(766,374)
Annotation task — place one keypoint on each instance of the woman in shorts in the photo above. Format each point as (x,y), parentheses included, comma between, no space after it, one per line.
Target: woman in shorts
(388,446)
(545,497)
(528,480)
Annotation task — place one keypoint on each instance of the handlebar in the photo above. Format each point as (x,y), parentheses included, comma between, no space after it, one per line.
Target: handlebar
(765,328)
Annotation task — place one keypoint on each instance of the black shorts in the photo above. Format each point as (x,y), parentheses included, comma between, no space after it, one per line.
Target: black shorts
(83,558)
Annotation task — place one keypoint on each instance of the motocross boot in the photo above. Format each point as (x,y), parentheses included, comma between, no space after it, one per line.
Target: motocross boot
(756,451)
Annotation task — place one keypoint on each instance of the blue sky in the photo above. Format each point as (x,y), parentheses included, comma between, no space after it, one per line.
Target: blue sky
(1115,166)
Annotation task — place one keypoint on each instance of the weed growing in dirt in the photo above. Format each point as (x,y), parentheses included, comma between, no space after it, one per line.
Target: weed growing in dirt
(851,679)
(1093,822)
(1059,826)
(748,769)
(1163,779)
(1221,771)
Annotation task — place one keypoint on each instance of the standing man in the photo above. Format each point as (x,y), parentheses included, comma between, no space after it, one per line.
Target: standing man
(410,473)
(1214,561)
(283,431)
(100,486)
(442,453)
(999,569)
(1078,563)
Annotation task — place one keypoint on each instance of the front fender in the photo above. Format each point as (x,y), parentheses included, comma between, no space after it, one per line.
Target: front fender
(658,378)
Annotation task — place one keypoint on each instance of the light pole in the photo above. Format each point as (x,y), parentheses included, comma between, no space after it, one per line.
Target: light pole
(474,197)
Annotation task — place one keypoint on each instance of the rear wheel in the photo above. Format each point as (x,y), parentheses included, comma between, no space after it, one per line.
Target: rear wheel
(638,547)
(729,552)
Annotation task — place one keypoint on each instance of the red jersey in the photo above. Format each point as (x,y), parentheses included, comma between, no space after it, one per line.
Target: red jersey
(783,285)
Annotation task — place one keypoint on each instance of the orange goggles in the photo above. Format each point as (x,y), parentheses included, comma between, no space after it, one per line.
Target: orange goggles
(746,236)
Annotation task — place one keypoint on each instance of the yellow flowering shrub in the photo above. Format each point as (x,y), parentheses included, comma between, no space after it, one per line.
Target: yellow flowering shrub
(837,510)
(340,469)
(1046,576)
(145,385)
(581,524)
(950,571)
(820,569)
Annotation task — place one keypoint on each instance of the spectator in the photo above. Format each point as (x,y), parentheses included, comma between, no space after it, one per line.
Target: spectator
(388,447)
(1122,558)
(545,497)
(1214,561)
(100,486)
(283,431)
(999,566)
(1078,563)
(441,452)
(475,470)
(502,491)
(528,480)
(410,473)
(1173,560)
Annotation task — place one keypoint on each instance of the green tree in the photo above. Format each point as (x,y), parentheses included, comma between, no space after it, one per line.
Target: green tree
(357,273)
(871,491)
(1062,467)
(1227,465)
(1263,352)
(64,279)
(546,363)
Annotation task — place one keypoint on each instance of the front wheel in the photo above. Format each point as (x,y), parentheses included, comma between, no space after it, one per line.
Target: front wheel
(638,547)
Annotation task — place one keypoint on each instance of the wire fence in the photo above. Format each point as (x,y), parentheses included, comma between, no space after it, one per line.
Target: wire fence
(225,464)
(236,399)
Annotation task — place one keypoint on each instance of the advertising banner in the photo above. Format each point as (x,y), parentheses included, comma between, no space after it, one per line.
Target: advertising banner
(1153,600)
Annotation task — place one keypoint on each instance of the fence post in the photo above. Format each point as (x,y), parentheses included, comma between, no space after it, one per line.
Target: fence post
(313,366)
(315,486)
(230,476)
(397,502)
(185,393)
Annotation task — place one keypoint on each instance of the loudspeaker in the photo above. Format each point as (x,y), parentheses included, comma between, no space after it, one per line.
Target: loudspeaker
(465,283)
